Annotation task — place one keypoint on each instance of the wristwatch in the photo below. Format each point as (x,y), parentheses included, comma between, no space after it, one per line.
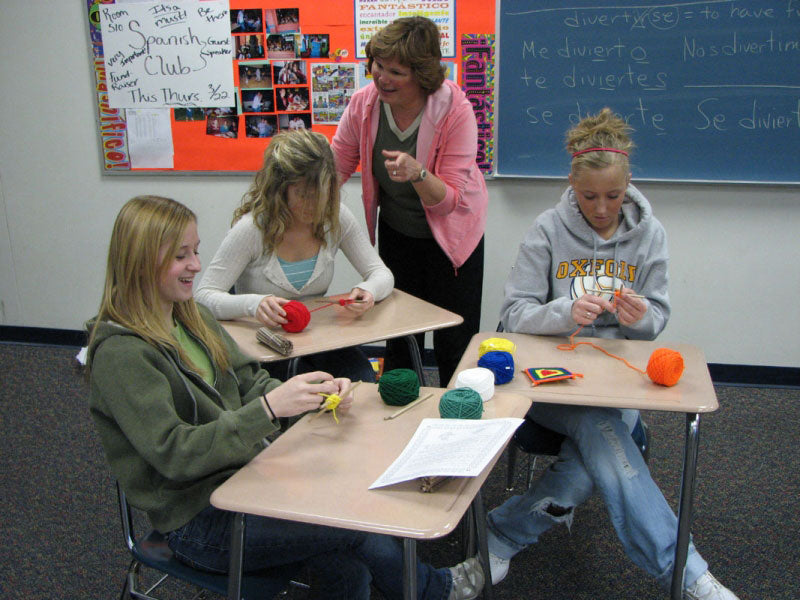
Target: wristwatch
(422,175)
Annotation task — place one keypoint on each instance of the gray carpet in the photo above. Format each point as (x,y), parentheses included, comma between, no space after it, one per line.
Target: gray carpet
(61,535)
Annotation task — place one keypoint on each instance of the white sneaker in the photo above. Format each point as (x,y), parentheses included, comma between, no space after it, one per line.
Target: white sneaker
(468,580)
(499,568)
(708,588)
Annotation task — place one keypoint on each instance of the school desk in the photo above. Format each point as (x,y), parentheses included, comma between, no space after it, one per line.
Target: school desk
(319,472)
(609,382)
(333,327)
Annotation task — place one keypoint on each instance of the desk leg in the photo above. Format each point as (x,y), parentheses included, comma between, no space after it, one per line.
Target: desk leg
(685,503)
(291,370)
(235,565)
(416,359)
(409,569)
(479,512)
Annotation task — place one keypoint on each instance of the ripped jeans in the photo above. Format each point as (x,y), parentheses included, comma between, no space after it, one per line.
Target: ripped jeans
(598,453)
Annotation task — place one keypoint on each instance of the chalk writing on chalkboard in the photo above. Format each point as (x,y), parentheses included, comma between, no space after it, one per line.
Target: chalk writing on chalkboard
(711,87)
(168,54)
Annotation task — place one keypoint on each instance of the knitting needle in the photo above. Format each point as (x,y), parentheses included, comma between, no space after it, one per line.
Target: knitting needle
(407,407)
(340,301)
(612,292)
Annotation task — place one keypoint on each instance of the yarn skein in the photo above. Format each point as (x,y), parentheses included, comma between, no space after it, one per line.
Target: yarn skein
(500,363)
(479,379)
(665,366)
(496,344)
(297,316)
(461,403)
(398,387)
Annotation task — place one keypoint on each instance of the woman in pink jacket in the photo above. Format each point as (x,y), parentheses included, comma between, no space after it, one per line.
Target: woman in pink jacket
(415,135)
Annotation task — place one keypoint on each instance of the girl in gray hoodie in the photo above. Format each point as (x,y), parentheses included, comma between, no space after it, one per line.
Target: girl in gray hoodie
(601,238)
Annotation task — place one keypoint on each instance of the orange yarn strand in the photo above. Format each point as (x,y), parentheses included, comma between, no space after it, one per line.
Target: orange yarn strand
(665,366)
(573,345)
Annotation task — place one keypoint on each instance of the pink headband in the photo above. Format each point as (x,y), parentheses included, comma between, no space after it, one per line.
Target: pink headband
(579,152)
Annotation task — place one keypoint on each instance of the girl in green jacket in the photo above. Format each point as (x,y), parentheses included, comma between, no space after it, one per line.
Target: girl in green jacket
(179,409)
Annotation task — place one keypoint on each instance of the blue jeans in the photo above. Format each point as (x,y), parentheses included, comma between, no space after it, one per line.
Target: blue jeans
(346,362)
(342,562)
(598,453)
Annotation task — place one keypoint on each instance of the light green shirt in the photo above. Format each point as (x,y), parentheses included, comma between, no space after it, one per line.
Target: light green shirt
(195,352)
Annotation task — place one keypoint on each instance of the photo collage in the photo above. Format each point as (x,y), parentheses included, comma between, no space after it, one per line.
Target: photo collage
(280,86)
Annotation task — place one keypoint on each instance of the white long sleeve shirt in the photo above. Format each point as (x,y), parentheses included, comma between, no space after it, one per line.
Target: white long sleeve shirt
(241,260)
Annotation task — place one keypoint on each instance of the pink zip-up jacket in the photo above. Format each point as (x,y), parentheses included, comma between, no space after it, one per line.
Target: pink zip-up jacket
(447,144)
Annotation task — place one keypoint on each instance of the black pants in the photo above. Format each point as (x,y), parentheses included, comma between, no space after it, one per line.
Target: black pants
(421,269)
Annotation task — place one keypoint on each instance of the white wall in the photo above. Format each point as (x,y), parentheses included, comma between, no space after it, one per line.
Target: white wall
(735,250)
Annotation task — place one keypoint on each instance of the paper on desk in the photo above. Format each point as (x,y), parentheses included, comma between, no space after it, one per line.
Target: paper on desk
(449,447)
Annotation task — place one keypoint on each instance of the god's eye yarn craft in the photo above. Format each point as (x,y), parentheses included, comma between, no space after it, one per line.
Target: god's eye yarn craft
(332,401)
(549,375)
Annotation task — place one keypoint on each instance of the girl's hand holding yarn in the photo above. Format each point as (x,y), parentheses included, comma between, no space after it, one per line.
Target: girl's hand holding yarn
(588,307)
(270,311)
(301,393)
(345,394)
(630,309)
(362,301)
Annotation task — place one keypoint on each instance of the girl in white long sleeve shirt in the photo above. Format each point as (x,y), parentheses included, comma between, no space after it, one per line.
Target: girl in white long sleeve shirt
(292,216)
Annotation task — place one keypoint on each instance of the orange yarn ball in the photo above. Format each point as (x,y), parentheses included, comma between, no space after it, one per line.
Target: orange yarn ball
(665,366)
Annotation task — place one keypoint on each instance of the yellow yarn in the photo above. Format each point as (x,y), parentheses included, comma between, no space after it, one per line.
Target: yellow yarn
(331,402)
(496,344)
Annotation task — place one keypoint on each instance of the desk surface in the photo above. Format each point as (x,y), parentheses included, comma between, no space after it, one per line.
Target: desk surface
(334,327)
(606,381)
(319,472)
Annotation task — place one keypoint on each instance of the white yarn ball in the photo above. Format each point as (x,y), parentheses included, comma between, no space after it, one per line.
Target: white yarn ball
(479,379)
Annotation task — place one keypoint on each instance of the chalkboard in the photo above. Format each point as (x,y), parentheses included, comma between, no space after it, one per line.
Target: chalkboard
(712,88)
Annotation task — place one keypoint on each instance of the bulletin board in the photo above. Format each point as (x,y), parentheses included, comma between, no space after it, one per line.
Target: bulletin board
(295,65)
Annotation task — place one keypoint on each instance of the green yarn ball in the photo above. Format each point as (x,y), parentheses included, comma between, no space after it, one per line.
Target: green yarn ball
(461,403)
(398,387)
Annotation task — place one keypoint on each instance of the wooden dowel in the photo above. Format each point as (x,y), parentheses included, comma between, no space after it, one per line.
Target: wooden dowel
(612,293)
(429,484)
(407,407)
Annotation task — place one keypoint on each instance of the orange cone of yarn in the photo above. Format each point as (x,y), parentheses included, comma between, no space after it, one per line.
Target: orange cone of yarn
(297,316)
(665,366)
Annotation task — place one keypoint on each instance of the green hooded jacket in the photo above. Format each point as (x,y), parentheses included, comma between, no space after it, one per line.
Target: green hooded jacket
(170,438)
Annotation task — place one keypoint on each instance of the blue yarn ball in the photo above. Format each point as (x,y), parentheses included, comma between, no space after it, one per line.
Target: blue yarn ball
(500,363)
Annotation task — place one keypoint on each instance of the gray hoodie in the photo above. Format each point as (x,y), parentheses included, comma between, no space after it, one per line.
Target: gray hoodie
(562,256)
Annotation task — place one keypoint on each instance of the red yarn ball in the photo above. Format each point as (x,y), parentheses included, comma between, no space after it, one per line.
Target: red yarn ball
(297,316)
(665,366)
